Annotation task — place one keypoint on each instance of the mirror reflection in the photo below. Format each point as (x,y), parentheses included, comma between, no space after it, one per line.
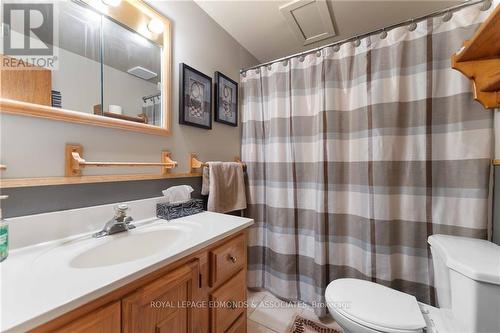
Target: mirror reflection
(131,75)
(104,68)
(76,83)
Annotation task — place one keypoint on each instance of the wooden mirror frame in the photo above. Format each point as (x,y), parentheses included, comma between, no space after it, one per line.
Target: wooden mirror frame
(134,14)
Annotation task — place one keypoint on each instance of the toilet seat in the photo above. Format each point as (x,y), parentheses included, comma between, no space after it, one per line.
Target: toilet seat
(367,327)
(374,306)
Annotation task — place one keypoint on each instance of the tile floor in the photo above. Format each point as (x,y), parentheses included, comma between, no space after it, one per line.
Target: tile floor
(268,314)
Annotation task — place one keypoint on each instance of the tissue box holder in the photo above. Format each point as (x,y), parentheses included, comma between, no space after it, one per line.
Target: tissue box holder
(169,211)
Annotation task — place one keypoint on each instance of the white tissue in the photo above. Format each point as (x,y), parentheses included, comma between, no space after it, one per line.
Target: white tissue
(178,194)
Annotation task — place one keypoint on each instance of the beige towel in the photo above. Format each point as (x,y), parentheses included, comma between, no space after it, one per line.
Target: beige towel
(225,186)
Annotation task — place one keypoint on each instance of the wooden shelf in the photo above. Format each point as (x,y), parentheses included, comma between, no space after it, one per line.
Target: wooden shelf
(24,109)
(479,60)
(124,117)
(45,181)
(492,83)
(98,111)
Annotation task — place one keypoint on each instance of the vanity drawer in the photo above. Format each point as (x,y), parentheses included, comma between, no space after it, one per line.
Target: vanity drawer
(227,259)
(228,303)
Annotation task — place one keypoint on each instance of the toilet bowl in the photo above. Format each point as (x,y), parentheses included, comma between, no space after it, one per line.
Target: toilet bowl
(467,282)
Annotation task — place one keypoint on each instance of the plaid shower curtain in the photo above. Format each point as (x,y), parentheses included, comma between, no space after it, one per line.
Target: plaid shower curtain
(356,155)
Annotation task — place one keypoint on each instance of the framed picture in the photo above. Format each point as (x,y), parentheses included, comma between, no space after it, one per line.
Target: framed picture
(226,100)
(195,100)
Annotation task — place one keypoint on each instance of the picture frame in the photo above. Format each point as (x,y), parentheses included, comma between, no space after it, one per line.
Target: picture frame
(226,100)
(195,97)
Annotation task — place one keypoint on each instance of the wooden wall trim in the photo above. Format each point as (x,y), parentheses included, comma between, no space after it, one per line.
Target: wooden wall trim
(44,181)
(47,112)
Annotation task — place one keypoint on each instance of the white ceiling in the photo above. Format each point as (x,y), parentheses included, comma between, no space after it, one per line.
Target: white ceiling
(262,29)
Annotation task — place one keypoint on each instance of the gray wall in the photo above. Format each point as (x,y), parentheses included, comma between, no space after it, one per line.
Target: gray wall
(32,147)
(43,199)
(496,207)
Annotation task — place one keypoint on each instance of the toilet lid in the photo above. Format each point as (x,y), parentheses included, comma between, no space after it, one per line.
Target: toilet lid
(374,305)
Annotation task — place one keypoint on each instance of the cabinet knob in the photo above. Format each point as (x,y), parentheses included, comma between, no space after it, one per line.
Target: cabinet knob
(232,258)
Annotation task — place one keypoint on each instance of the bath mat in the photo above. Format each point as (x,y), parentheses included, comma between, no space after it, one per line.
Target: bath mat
(303,325)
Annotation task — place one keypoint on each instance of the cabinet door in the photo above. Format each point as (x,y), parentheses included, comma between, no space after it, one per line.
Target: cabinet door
(102,320)
(240,325)
(228,301)
(165,305)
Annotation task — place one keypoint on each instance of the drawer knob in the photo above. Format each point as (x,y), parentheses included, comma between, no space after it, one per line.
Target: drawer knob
(232,258)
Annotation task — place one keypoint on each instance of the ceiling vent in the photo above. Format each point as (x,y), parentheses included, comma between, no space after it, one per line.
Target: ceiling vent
(142,72)
(310,20)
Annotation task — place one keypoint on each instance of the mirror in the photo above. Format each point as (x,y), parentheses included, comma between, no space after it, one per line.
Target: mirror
(131,75)
(112,66)
(76,81)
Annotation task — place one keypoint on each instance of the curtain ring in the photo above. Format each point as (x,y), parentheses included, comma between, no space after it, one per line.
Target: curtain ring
(336,48)
(486,5)
(285,63)
(257,71)
(383,34)
(412,26)
(301,58)
(318,54)
(357,42)
(269,67)
(244,74)
(447,16)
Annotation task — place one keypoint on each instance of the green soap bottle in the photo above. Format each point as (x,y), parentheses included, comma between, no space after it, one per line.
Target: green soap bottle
(4,238)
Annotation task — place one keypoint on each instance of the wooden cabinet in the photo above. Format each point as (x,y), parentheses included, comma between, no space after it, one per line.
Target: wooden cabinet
(228,302)
(239,326)
(227,259)
(25,84)
(163,305)
(177,298)
(102,320)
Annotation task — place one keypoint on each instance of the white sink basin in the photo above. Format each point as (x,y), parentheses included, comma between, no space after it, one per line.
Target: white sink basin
(121,248)
(129,247)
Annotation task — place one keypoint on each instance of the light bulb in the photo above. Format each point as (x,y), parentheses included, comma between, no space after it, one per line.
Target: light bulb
(155,26)
(112,3)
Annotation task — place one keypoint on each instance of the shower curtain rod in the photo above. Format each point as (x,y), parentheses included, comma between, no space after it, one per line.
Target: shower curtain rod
(487,4)
(145,98)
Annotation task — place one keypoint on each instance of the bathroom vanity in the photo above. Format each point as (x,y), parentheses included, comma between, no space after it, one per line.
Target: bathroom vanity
(186,275)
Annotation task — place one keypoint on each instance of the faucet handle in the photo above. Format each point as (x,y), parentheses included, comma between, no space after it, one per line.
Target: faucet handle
(121,210)
(121,207)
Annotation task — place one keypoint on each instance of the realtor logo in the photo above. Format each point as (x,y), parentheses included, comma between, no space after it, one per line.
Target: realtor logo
(29,29)
(29,33)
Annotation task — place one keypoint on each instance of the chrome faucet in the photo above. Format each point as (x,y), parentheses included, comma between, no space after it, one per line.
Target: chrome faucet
(120,222)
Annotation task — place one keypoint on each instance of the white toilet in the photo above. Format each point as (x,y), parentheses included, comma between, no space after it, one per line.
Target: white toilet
(467,282)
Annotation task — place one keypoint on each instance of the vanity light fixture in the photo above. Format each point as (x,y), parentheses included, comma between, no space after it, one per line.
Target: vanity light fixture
(112,3)
(155,26)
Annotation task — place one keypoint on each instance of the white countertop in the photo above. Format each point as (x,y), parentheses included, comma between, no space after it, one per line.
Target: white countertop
(41,282)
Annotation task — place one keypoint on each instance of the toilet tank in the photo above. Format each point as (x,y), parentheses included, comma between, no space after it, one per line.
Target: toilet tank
(467,281)
(441,278)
